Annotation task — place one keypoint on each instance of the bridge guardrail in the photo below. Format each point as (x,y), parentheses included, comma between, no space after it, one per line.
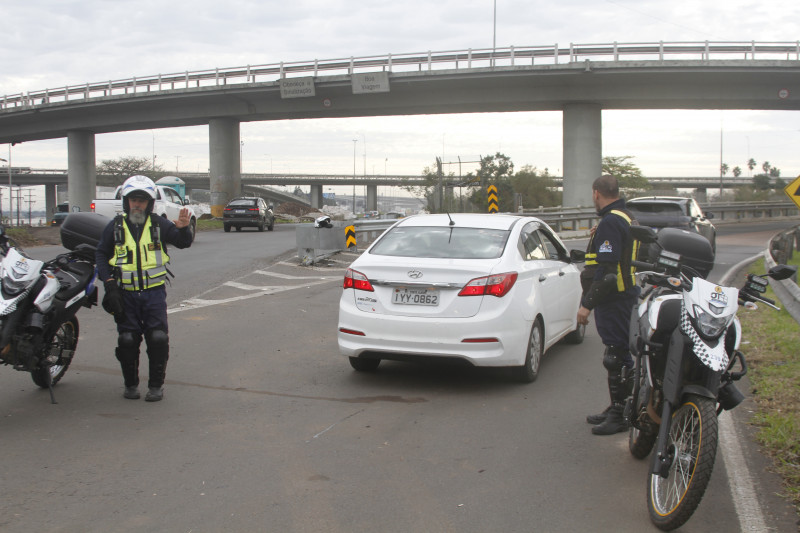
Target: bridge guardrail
(417,61)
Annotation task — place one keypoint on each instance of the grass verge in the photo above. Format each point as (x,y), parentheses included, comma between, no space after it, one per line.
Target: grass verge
(774,372)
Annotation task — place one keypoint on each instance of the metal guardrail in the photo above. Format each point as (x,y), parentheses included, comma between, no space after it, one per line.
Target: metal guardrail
(577,220)
(414,62)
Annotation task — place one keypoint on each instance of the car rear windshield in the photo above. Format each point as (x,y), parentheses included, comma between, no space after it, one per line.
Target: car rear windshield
(455,243)
(674,210)
(243,202)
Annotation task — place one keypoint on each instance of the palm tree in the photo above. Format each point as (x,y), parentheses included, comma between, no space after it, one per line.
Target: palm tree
(766,166)
(723,169)
(751,164)
(737,171)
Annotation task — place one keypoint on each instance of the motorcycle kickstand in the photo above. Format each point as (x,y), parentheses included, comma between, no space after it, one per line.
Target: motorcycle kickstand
(50,387)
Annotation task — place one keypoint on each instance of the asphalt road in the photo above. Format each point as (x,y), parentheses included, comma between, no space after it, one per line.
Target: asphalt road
(265,427)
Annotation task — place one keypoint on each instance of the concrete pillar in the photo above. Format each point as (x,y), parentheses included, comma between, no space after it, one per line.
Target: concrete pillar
(316,196)
(81,172)
(224,155)
(701,195)
(50,200)
(583,159)
(372,198)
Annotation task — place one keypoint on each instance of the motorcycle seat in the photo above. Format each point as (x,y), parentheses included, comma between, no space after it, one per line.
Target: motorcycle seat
(73,278)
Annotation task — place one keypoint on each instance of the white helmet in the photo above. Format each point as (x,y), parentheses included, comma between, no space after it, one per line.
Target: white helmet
(141,186)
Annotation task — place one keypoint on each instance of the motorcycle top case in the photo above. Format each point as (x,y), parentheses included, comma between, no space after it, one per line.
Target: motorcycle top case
(694,249)
(83,228)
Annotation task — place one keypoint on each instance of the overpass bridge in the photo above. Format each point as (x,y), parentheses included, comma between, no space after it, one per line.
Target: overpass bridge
(580,80)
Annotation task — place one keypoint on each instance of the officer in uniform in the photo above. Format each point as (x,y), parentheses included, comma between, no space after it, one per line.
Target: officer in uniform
(132,262)
(609,288)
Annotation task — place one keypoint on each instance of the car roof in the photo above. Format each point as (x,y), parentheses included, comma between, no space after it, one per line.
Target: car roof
(469,220)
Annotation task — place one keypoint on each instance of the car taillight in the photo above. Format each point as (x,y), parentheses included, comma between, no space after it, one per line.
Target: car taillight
(253,209)
(494,285)
(353,279)
(228,209)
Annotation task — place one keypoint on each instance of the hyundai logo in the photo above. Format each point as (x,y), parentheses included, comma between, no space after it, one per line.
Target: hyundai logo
(415,274)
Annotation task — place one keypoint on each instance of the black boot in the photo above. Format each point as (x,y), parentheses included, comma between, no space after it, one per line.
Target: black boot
(615,422)
(598,418)
(158,355)
(131,393)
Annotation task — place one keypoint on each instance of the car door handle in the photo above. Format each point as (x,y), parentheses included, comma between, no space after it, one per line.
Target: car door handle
(542,277)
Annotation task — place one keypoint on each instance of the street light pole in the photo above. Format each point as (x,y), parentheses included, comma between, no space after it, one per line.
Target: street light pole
(10,195)
(8,162)
(355,141)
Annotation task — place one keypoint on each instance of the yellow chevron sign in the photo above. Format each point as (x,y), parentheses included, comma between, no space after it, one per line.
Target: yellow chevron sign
(492,193)
(793,191)
(350,236)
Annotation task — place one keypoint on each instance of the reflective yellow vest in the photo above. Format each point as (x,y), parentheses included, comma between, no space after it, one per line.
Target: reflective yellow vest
(628,280)
(143,266)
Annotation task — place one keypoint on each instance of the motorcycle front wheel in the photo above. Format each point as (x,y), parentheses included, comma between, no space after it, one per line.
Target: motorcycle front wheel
(692,445)
(57,354)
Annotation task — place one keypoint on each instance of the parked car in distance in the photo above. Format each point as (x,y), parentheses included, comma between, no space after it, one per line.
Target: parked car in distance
(491,290)
(58,218)
(673,212)
(248,211)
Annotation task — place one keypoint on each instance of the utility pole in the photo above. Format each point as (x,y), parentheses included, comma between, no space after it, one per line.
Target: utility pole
(29,202)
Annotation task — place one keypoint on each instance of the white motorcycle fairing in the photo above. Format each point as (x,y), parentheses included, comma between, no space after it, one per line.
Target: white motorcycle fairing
(17,274)
(720,304)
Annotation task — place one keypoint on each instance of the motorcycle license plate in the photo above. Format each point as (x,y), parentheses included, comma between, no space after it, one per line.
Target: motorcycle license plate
(416,296)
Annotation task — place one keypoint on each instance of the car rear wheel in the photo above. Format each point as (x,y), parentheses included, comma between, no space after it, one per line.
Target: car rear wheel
(238,228)
(528,372)
(261,224)
(364,365)
(226,228)
(271,225)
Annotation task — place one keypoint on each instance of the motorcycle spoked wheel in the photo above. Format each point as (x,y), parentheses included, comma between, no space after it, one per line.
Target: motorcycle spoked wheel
(60,349)
(693,444)
(641,441)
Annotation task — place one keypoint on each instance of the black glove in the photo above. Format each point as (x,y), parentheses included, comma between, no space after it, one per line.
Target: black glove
(112,299)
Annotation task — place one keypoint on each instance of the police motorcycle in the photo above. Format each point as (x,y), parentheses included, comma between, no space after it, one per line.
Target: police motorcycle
(38,302)
(684,337)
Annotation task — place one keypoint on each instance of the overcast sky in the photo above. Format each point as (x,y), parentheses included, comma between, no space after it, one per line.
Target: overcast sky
(53,43)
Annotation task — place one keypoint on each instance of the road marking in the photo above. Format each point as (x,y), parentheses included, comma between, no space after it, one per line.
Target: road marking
(745,500)
(287,276)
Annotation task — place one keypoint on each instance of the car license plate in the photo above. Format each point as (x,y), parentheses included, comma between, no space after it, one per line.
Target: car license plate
(238,211)
(416,296)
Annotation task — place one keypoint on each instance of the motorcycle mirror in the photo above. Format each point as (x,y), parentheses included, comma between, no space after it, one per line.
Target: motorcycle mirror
(577,256)
(780,272)
(644,234)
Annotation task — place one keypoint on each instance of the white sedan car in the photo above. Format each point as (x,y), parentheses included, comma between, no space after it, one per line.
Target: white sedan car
(494,290)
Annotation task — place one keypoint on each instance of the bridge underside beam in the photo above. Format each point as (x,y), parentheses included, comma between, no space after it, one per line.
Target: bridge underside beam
(583,160)
(224,156)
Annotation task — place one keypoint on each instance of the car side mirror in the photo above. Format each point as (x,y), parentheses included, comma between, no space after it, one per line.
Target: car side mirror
(187,201)
(709,215)
(577,256)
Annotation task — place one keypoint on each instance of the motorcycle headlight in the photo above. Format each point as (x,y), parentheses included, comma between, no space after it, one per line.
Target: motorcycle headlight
(708,325)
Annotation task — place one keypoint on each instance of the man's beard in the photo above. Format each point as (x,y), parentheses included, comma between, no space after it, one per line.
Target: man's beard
(136,216)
